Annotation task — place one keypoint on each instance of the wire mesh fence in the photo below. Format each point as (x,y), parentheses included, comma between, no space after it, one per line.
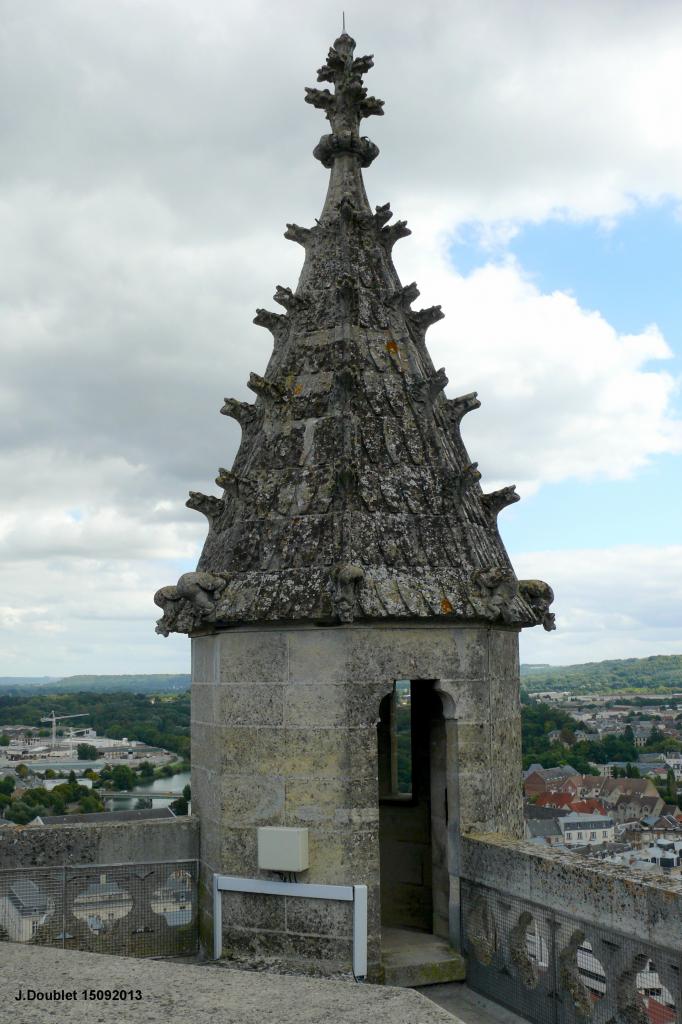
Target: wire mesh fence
(554,969)
(128,909)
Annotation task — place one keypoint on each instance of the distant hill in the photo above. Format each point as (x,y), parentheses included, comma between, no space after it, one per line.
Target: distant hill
(26,680)
(157,683)
(661,672)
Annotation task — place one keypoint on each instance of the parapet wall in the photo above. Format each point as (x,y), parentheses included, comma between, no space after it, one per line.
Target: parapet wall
(122,842)
(607,895)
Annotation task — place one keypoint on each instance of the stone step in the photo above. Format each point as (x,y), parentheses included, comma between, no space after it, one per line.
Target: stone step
(412,959)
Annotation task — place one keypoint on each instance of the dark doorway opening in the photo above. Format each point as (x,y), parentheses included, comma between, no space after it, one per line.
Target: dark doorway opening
(413,809)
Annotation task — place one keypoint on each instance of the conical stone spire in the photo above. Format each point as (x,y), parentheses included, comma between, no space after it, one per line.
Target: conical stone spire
(352,496)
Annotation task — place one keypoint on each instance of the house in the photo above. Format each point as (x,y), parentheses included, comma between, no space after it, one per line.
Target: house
(23,908)
(101,904)
(586,829)
(542,780)
(544,831)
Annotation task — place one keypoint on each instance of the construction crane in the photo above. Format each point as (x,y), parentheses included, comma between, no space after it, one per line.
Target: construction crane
(58,718)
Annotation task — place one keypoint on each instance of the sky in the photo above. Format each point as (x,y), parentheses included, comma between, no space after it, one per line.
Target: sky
(153,151)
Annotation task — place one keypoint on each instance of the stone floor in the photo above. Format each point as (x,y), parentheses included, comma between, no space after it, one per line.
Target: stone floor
(468,1006)
(174,993)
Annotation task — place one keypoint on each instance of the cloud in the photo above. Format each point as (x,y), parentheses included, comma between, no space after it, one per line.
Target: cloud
(565,396)
(152,156)
(621,602)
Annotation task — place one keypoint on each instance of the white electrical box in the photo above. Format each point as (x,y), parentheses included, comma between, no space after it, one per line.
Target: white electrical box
(283,849)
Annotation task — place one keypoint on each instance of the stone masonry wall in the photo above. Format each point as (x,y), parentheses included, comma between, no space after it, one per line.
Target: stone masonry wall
(123,842)
(284,733)
(607,895)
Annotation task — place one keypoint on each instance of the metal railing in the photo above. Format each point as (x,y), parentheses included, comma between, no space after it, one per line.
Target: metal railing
(141,910)
(552,968)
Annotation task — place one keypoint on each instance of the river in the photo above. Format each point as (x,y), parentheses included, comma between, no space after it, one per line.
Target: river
(175,784)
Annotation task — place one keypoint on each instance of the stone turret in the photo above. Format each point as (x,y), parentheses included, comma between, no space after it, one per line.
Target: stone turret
(354,614)
(352,496)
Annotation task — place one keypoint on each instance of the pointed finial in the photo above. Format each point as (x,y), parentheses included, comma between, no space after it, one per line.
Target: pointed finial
(343,21)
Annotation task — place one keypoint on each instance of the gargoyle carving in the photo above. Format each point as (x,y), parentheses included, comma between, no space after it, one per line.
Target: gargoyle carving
(424,391)
(569,975)
(266,389)
(285,297)
(191,602)
(295,233)
(497,500)
(207,504)
(404,298)
(277,323)
(233,484)
(382,214)
(245,413)
(323,99)
(389,235)
(539,596)
(491,593)
(345,581)
(481,930)
(457,408)
(425,318)
(526,967)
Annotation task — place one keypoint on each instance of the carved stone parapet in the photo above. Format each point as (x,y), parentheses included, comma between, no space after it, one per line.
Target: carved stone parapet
(331,146)
(497,500)
(539,595)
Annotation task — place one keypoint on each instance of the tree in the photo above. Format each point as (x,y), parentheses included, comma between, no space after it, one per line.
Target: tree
(670,792)
(628,734)
(22,771)
(632,771)
(179,806)
(7,785)
(187,792)
(146,770)
(4,740)
(90,804)
(72,776)
(123,777)
(21,812)
(86,752)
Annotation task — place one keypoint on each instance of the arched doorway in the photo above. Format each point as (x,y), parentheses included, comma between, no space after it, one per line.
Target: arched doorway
(413,809)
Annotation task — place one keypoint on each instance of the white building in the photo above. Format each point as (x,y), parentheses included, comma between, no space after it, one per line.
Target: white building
(586,829)
(23,908)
